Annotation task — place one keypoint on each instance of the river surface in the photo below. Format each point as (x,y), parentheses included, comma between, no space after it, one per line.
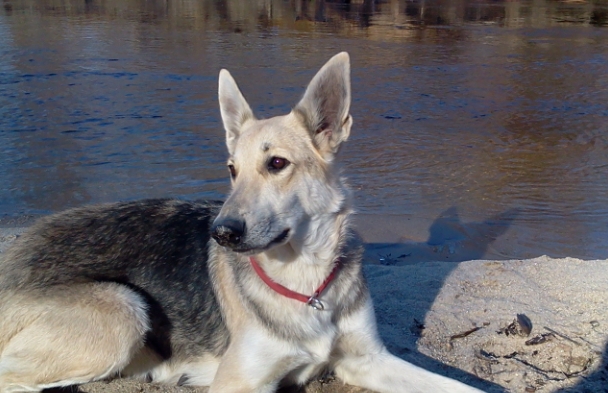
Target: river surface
(482,120)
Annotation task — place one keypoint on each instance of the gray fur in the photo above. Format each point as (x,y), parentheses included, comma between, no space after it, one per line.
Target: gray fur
(158,248)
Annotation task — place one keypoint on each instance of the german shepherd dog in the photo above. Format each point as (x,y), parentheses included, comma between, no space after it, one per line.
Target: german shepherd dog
(261,291)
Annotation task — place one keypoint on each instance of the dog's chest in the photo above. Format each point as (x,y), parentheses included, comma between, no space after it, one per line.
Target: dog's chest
(314,357)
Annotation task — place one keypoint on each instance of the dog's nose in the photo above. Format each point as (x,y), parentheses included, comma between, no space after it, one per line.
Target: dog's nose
(228,232)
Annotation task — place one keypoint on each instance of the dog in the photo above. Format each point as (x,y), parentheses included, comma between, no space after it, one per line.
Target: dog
(261,291)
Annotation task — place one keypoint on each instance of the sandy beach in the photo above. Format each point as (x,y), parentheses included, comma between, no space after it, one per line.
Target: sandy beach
(533,325)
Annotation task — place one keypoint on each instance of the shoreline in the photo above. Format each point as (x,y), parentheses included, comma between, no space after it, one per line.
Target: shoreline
(453,317)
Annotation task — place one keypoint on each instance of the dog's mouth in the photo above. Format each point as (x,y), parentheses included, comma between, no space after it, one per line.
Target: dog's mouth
(246,249)
(279,239)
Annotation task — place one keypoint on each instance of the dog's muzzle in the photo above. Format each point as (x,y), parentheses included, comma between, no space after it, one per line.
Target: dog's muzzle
(228,232)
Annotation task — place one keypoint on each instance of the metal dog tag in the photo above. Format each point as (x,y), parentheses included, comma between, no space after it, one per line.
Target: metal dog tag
(315,303)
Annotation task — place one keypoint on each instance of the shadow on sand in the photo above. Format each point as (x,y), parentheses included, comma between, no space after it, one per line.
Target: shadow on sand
(590,384)
(450,241)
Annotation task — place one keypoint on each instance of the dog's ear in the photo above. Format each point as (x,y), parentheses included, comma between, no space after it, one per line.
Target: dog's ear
(326,103)
(234,108)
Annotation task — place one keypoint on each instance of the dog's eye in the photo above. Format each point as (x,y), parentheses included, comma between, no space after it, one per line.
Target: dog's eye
(232,171)
(277,163)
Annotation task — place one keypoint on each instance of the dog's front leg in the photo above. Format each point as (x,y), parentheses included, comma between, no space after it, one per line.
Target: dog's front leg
(254,362)
(362,360)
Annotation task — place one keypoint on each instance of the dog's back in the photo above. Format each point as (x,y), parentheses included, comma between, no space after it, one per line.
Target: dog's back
(114,242)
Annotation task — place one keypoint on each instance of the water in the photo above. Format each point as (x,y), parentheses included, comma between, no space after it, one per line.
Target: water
(490,117)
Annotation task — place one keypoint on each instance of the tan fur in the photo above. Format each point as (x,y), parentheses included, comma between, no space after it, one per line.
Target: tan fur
(106,326)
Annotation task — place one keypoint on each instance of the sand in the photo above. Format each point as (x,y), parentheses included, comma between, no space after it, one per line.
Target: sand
(457,319)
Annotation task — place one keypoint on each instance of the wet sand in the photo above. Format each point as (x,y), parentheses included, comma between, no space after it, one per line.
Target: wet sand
(453,318)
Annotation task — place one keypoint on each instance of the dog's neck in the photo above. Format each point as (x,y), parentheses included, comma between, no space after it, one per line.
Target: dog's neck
(318,244)
(311,258)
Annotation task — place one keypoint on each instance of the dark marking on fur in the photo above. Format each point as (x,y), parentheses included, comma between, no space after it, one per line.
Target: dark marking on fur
(159,336)
(183,380)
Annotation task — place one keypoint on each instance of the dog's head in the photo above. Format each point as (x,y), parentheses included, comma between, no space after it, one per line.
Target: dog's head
(281,168)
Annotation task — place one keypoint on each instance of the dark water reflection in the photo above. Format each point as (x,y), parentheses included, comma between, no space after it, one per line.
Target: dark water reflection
(483,107)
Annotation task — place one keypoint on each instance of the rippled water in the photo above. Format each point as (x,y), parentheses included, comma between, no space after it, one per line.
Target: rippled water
(480,113)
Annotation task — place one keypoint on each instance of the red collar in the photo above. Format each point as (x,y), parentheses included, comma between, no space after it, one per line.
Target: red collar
(312,301)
